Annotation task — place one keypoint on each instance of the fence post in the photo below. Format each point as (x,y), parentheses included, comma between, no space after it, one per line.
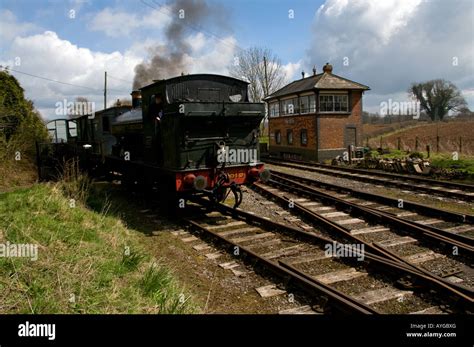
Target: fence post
(428,150)
(416,144)
(437,144)
(399,144)
(381,142)
(460,144)
(367,142)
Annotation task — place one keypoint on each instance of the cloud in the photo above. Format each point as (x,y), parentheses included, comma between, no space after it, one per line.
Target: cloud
(390,44)
(117,23)
(11,28)
(292,70)
(49,56)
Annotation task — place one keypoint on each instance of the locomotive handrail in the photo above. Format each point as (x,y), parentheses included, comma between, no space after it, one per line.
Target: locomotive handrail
(254,113)
(211,113)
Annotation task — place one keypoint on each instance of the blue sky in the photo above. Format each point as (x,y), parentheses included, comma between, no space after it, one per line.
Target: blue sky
(263,22)
(388,44)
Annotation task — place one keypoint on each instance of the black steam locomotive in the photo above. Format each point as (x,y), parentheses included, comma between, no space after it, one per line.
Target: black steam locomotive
(184,135)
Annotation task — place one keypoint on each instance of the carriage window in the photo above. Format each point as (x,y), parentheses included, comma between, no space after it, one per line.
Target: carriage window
(57,130)
(72,129)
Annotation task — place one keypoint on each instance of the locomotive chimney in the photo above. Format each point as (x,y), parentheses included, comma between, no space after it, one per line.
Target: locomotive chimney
(136,98)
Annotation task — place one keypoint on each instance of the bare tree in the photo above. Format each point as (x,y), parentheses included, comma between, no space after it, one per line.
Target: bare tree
(250,65)
(438,97)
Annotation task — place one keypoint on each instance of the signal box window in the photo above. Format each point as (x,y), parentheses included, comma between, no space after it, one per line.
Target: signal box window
(289,137)
(278,137)
(304,137)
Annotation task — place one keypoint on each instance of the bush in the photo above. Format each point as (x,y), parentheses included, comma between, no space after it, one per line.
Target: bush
(416,155)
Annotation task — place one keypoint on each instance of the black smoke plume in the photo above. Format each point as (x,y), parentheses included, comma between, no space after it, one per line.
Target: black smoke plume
(167,59)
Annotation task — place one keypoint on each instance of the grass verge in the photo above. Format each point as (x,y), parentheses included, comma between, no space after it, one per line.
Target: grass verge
(87,262)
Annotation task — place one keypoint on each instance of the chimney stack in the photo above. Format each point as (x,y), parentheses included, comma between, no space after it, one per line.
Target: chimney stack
(314,70)
(136,98)
(327,68)
(302,74)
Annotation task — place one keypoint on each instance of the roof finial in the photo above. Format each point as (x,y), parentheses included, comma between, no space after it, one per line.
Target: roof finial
(314,70)
(302,74)
(327,68)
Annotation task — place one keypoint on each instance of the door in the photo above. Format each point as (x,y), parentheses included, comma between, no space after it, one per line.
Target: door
(351,136)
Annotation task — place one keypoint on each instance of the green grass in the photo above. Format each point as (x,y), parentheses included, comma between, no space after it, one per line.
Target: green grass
(88,262)
(463,164)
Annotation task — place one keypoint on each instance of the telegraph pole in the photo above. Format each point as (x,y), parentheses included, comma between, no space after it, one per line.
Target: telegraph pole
(266,76)
(105,91)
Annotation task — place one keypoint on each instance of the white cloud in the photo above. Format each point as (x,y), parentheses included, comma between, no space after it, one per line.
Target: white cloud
(11,28)
(215,58)
(390,44)
(49,56)
(292,70)
(117,23)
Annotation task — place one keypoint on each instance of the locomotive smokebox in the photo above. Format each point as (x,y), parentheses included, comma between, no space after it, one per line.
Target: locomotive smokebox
(136,98)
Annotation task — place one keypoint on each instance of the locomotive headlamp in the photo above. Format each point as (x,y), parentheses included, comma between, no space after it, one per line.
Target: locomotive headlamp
(200,183)
(188,180)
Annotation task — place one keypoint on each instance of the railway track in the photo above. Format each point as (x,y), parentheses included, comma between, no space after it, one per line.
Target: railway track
(452,190)
(446,223)
(365,282)
(445,259)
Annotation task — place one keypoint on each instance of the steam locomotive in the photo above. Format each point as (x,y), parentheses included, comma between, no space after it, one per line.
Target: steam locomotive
(192,134)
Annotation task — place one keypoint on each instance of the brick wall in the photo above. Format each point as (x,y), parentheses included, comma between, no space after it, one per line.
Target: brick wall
(332,127)
(331,131)
(297,123)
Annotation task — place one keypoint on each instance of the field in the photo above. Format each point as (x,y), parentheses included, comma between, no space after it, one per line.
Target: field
(443,137)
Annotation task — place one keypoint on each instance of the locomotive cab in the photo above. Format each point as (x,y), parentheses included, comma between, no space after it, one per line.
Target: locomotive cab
(207,130)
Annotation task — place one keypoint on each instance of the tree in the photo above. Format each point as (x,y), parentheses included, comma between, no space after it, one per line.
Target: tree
(438,97)
(20,123)
(250,65)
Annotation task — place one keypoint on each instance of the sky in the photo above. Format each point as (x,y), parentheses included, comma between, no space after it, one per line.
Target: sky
(386,45)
